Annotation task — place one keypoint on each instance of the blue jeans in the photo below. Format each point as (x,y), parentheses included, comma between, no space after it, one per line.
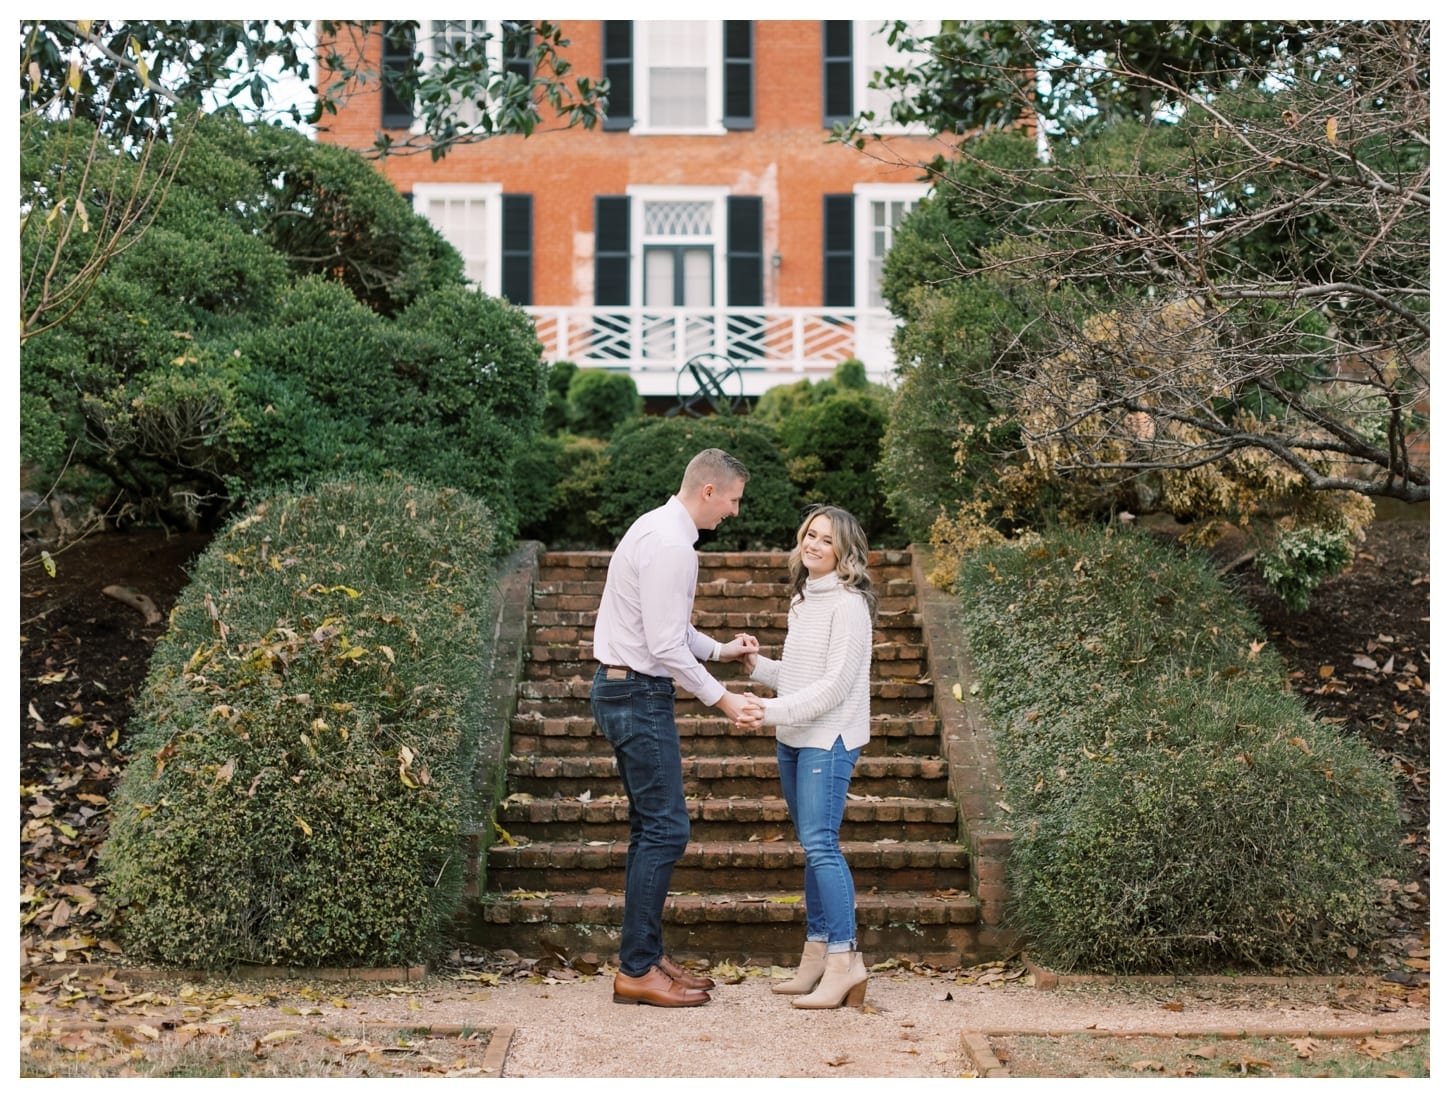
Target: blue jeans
(814,782)
(637,716)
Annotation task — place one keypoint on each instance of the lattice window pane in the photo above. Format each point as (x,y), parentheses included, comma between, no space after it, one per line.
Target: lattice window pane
(678,218)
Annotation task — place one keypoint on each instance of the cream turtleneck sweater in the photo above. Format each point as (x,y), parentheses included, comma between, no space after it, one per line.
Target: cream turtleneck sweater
(823,678)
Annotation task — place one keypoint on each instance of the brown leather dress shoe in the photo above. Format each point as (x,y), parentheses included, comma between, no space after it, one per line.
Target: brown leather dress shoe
(655,988)
(683,977)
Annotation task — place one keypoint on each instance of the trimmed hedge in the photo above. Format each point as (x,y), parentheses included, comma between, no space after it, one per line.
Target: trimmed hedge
(648,457)
(302,752)
(1174,807)
(598,401)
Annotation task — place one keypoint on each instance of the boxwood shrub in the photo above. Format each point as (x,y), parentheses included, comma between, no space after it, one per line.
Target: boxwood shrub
(648,456)
(301,754)
(1174,806)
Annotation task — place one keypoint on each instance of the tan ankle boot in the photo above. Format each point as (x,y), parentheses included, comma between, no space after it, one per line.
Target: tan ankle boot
(842,984)
(808,974)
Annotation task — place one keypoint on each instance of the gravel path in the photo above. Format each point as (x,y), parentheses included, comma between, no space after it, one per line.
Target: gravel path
(566,1025)
(912,1026)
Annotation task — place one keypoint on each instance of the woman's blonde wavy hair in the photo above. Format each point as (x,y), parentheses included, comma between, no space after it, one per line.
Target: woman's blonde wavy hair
(852,554)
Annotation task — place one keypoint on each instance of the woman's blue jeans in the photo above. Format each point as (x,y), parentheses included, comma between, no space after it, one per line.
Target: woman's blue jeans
(637,716)
(815,782)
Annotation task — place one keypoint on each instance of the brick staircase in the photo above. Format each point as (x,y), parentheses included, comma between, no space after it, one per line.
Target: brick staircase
(928,882)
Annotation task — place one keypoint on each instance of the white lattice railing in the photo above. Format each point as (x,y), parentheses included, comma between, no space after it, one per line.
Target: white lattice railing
(771,346)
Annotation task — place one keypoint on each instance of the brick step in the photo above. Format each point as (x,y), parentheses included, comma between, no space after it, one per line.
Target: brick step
(748,928)
(566,663)
(775,587)
(885,564)
(757,599)
(735,620)
(573,657)
(577,626)
(749,867)
(532,734)
(605,816)
(722,777)
(581,651)
(571,697)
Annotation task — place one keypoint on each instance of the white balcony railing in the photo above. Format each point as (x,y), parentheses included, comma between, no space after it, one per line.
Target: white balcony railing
(772,346)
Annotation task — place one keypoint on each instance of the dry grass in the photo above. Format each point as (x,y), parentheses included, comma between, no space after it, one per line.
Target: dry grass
(212,1051)
(1093,1056)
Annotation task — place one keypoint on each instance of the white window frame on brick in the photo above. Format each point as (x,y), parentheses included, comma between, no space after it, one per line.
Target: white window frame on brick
(871,53)
(482,257)
(650,50)
(868,265)
(429,31)
(642,194)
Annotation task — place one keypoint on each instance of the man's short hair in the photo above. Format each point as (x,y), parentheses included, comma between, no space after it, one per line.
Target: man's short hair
(712,466)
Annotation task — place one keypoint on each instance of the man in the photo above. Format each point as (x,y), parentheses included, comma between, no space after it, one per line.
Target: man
(644,641)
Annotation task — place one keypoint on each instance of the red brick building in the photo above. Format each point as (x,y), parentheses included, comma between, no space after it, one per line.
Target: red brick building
(708,213)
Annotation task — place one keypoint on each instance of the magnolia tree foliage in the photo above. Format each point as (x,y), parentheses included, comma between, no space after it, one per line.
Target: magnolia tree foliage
(984,74)
(134,77)
(129,92)
(286,315)
(1223,313)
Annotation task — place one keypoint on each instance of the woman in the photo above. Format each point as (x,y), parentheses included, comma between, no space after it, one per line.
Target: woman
(822,718)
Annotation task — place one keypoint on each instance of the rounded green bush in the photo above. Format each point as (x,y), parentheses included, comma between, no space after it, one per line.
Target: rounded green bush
(1173,808)
(648,457)
(302,752)
(561,373)
(833,448)
(599,401)
(560,479)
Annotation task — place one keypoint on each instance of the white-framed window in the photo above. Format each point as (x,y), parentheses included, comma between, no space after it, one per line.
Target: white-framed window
(679,235)
(874,52)
(679,76)
(439,37)
(470,217)
(880,208)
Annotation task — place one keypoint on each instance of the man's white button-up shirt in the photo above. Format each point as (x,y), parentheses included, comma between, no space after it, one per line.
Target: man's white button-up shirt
(649,597)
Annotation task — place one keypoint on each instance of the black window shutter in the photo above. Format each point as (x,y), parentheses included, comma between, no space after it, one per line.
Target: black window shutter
(739,74)
(744,250)
(836,71)
(619,71)
(399,46)
(611,249)
(516,280)
(518,39)
(839,282)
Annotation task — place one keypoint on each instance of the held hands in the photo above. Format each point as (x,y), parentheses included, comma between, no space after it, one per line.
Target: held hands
(743,647)
(744,710)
